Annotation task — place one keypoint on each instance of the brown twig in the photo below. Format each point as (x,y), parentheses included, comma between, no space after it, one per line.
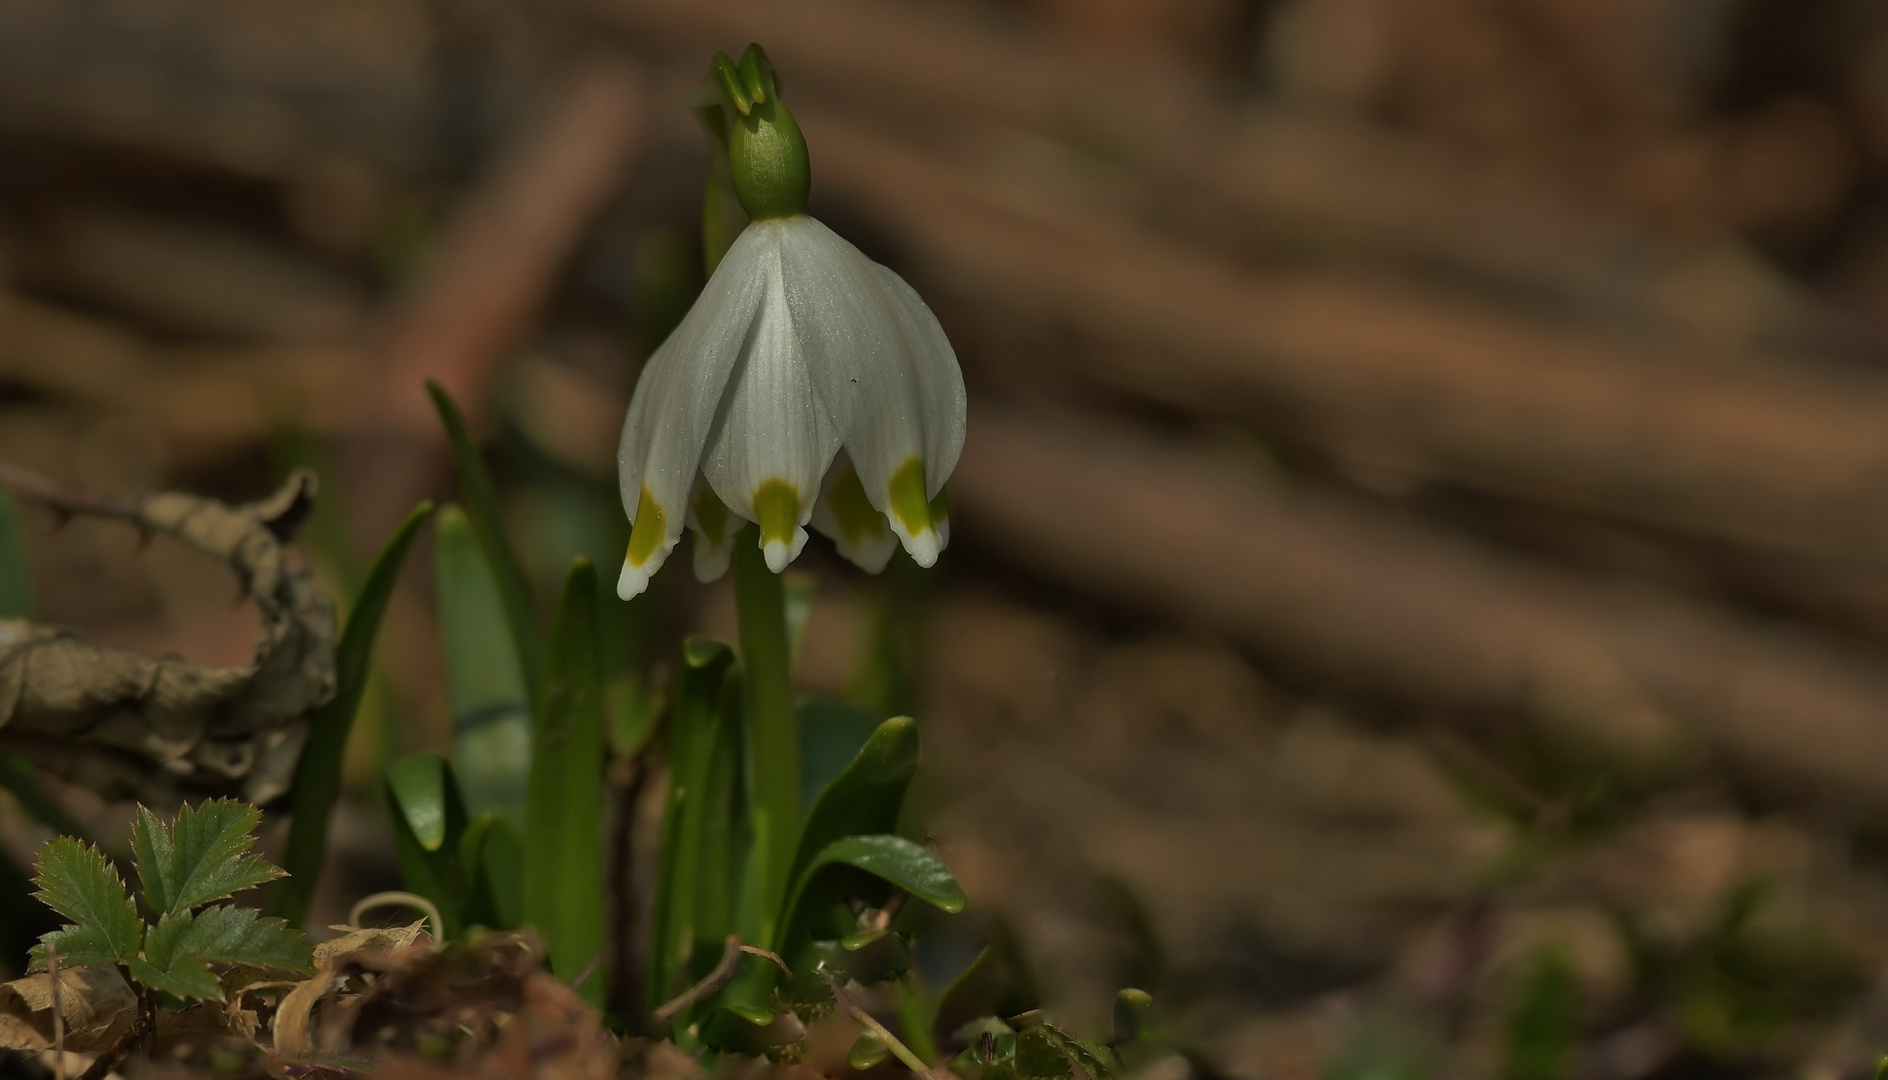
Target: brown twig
(899,1050)
(722,975)
(58,1014)
(63,500)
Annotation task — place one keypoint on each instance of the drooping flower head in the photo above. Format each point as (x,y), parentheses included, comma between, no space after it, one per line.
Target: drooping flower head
(807,385)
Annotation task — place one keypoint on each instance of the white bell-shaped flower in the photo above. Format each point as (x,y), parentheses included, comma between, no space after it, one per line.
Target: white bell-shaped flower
(807,385)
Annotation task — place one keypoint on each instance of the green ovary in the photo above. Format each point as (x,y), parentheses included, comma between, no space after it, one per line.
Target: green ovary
(711,516)
(908,502)
(647,535)
(777,509)
(853,510)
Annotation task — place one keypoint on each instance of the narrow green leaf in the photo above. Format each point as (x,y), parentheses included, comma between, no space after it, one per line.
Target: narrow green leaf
(201,857)
(492,852)
(831,734)
(16,572)
(997,983)
(865,868)
(228,934)
(77,881)
(563,852)
(481,505)
(318,775)
(429,824)
(485,683)
(864,799)
(694,729)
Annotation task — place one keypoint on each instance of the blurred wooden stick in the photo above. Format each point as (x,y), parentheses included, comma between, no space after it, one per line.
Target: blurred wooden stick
(1392,608)
(1396,378)
(488,279)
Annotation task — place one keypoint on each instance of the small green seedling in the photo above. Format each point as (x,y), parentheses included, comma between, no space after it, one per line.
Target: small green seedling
(181,868)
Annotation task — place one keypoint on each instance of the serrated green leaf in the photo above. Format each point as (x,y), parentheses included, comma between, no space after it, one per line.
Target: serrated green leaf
(481,507)
(78,946)
(189,977)
(227,935)
(318,775)
(845,869)
(563,853)
(200,858)
(77,881)
(1078,1053)
(1038,1056)
(485,683)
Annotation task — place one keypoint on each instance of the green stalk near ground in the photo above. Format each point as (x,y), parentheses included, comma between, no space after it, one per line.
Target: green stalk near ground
(564,865)
(318,776)
(773,725)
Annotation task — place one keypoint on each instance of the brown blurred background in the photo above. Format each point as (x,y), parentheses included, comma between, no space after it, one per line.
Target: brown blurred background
(1419,589)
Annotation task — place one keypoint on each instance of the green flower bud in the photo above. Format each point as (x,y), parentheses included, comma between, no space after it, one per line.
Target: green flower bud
(771,172)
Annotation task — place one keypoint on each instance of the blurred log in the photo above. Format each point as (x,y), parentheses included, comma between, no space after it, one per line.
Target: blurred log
(205,400)
(1400,380)
(1235,170)
(486,281)
(197,280)
(1393,608)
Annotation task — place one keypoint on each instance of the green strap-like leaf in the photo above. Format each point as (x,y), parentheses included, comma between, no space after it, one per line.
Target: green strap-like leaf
(492,852)
(481,506)
(834,876)
(485,683)
(318,775)
(862,800)
(201,857)
(429,824)
(694,729)
(563,852)
(77,881)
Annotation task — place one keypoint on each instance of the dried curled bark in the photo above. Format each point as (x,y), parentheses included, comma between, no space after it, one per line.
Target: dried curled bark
(157,728)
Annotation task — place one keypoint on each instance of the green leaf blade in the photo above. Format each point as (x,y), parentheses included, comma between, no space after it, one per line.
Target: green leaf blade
(77,881)
(865,797)
(481,507)
(678,920)
(485,681)
(429,824)
(318,775)
(833,876)
(563,857)
(187,977)
(235,935)
(78,946)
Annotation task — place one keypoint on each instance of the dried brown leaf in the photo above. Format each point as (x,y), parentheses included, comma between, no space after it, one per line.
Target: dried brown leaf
(97,1005)
(131,725)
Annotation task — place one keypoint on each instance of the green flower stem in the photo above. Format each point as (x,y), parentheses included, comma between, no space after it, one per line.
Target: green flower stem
(773,727)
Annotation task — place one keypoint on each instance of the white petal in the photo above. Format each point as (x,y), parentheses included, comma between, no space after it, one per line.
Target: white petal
(773,435)
(844,515)
(714,526)
(673,410)
(880,350)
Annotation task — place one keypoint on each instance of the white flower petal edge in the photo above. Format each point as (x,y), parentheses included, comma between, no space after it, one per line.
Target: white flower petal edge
(774,434)
(714,526)
(673,410)
(808,384)
(846,517)
(874,345)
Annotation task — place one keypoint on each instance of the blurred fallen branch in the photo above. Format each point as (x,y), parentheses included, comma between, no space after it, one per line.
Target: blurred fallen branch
(1402,381)
(1396,609)
(126,724)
